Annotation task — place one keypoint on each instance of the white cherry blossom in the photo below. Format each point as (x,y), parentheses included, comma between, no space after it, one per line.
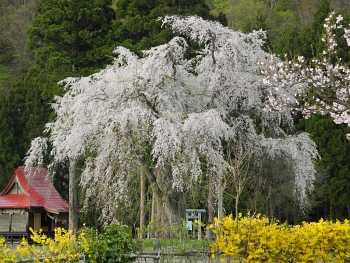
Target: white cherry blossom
(320,86)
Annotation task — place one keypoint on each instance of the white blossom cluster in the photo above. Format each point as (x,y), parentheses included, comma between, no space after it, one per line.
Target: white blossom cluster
(173,111)
(321,86)
(36,153)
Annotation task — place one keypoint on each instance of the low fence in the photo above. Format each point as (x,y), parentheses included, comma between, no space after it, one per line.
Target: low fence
(164,254)
(187,257)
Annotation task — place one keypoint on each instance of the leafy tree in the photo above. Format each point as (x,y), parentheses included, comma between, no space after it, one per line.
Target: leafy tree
(283,26)
(15,18)
(245,15)
(287,31)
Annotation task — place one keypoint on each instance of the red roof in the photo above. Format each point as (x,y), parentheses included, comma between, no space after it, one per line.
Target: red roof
(14,200)
(38,191)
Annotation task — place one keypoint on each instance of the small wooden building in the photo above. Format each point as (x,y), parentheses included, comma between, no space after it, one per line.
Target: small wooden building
(31,201)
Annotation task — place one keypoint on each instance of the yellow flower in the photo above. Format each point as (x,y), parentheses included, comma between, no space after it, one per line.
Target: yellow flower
(257,239)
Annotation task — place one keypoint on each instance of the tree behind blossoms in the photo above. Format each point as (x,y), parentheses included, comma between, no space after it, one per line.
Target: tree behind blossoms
(320,86)
(173,113)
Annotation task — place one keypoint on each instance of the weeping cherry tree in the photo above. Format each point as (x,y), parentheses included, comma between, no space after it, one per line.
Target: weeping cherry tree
(173,112)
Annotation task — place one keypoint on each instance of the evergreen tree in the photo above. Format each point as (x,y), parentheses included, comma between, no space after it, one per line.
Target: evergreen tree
(72,34)
(137,26)
(332,188)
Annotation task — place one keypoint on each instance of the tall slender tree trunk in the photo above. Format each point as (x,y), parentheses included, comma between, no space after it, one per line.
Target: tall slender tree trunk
(153,208)
(142,203)
(210,200)
(73,197)
(210,205)
(158,216)
(153,214)
(236,205)
(220,199)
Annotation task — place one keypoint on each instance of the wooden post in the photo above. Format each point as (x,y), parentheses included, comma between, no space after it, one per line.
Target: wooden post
(73,197)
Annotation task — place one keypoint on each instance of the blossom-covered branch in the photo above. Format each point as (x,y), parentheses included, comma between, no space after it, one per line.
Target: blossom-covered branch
(319,86)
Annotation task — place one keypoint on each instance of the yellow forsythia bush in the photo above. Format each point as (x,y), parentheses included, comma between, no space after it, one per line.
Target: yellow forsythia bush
(113,244)
(63,248)
(257,239)
(6,254)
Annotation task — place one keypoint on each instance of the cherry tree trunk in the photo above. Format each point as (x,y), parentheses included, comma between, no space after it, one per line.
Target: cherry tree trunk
(73,197)
(163,211)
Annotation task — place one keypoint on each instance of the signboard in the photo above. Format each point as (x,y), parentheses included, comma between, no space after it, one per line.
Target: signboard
(194,215)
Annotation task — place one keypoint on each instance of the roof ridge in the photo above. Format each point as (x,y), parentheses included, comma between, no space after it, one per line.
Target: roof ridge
(20,174)
(38,189)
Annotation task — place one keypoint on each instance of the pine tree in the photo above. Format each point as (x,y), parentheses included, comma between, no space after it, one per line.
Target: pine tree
(73,34)
(137,26)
